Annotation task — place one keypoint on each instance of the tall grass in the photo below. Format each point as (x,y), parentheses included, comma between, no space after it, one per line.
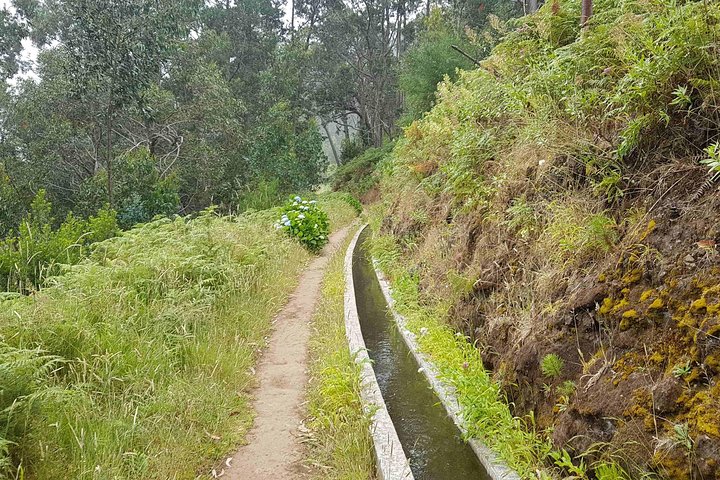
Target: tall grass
(339,439)
(143,353)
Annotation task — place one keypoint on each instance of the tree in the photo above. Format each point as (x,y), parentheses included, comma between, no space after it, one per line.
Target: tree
(427,62)
(11,35)
(587,10)
(117,48)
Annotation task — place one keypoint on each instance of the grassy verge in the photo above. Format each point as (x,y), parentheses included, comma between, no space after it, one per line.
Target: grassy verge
(135,363)
(339,439)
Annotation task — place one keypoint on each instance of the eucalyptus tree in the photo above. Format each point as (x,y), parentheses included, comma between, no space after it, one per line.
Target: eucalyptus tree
(360,42)
(11,34)
(117,48)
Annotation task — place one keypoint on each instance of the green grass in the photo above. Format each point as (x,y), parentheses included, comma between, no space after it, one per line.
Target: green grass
(340,443)
(136,362)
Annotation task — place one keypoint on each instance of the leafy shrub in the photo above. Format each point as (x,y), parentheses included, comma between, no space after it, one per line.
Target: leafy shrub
(38,250)
(551,365)
(357,177)
(140,192)
(306,222)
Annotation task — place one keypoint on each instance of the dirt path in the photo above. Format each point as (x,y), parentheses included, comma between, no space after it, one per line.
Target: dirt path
(274,449)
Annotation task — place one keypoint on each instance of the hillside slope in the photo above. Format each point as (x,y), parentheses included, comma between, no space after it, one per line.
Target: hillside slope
(554,205)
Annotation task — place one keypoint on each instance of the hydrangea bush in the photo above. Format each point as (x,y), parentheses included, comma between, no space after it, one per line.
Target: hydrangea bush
(305,221)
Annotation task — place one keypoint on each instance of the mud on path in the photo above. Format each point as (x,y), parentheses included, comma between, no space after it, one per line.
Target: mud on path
(274,450)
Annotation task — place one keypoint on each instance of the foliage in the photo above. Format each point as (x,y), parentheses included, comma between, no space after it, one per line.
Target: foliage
(358,176)
(11,33)
(38,250)
(140,192)
(430,60)
(610,471)
(552,365)
(147,331)
(11,208)
(564,460)
(305,221)
(24,380)
(713,160)
(287,149)
(351,148)
(353,202)
(340,442)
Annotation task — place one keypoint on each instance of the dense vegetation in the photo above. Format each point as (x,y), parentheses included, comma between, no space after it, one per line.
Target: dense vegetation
(546,183)
(557,206)
(135,362)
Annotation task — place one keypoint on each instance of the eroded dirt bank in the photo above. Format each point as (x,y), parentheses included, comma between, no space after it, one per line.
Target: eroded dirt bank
(636,328)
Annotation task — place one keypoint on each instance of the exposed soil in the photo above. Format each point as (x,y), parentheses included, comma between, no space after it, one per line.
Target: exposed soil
(274,449)
(638,329)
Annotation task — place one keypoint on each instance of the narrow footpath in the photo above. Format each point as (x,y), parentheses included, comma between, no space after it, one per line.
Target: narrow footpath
(274,450)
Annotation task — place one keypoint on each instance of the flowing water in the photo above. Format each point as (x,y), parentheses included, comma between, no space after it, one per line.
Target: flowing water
(429,437)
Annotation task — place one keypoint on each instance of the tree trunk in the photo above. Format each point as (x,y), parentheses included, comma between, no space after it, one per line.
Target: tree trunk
(346,127)
(532,6)
(587,11)
(330,140)
(108,145)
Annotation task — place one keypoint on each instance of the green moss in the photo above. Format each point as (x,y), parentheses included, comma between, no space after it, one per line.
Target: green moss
(607,305)
(627,319)
(646,294)
(630,314)
(698,305)
(657,304)
(632,277)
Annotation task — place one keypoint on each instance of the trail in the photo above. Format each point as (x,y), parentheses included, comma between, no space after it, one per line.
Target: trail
(274,449)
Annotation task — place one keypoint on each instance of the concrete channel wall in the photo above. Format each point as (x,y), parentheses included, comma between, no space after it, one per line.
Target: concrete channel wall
(495,468)
(392,464)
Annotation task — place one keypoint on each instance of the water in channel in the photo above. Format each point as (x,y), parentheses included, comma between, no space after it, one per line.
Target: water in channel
(429,437)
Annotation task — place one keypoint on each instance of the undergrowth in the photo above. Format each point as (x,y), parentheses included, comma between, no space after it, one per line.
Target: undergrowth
(135,363)
(517,203)
(339,438)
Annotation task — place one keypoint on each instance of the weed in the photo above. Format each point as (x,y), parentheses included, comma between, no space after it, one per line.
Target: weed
(567,388)
(713,159)
(609,471)
(682,370)
(682,436)
(563,460)
(551,365)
